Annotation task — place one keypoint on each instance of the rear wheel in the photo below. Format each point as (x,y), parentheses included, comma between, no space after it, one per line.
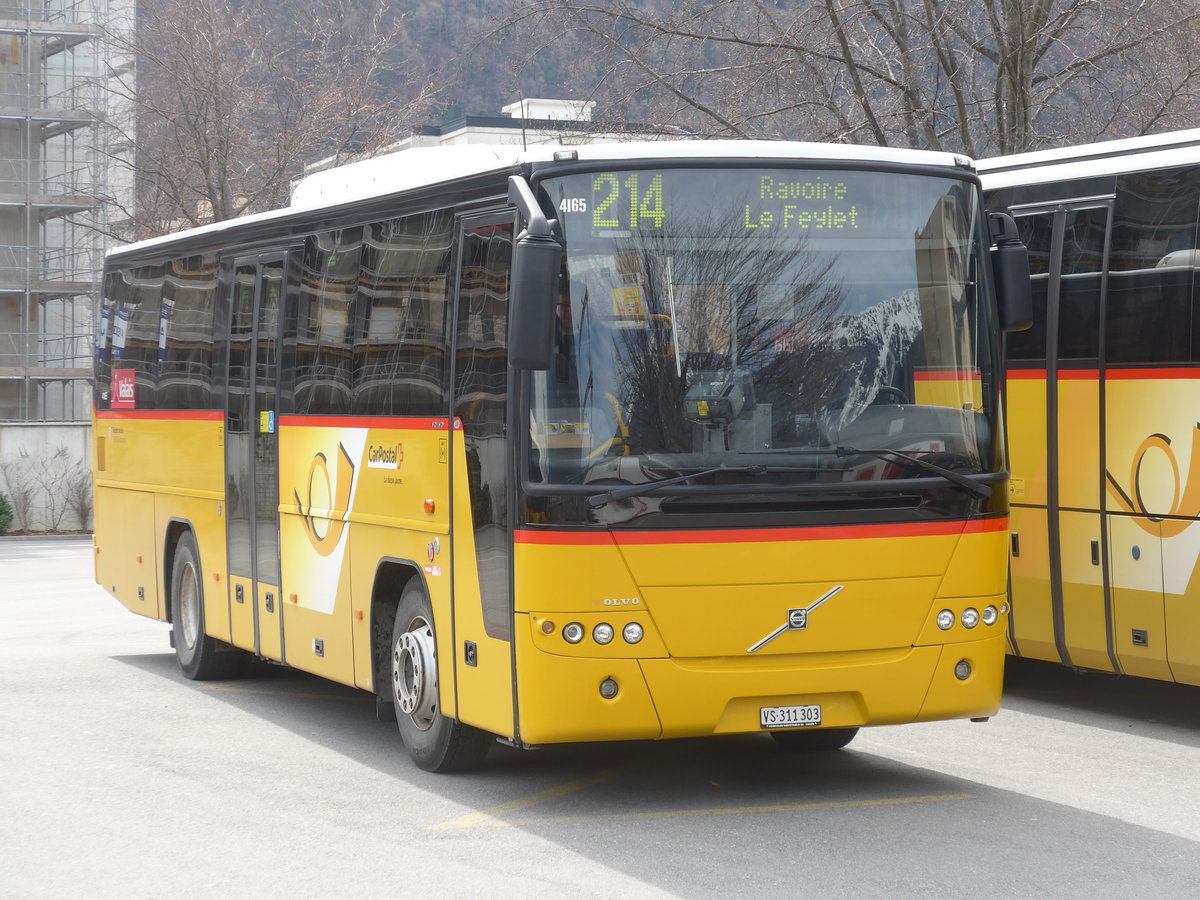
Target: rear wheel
(814,740)
(202,658)
(435,742)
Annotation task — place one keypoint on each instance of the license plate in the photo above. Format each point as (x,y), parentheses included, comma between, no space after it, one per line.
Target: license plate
(789,716)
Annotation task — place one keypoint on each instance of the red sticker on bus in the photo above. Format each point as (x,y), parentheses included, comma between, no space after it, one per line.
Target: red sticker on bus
(124,389)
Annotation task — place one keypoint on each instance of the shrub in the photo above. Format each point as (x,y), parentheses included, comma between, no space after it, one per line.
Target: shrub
(6,513)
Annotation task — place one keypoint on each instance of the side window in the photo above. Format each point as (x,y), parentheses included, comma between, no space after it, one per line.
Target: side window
(186,364)
(111,296)
(321,345)
(1030,345)
(137,335)
(1150,289)
(1082,265)
(1082,283)
(401,325)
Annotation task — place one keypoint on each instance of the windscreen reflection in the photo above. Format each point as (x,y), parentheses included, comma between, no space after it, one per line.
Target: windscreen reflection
(760,320)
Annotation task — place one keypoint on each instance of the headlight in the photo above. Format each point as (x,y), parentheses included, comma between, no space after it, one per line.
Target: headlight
(602,633)
(572,633)
(970,617)
(990,615)
(945,620)
(632,633)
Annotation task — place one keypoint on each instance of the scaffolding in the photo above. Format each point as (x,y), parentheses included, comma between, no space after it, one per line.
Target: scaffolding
(52,181)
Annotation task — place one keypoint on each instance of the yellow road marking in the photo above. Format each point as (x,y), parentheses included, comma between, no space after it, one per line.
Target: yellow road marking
(487,819)
(240,690)
(491,816)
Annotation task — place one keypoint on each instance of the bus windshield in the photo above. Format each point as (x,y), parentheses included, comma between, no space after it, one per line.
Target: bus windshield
(770,321)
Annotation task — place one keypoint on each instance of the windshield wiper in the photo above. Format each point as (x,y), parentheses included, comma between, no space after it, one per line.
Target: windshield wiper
(982,491)
(595,501)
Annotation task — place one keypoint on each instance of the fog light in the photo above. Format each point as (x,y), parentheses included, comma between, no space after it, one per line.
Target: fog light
(962,671)
(572,633)
(970,617)
(608,689)
(989,615)
(603,633)
(945,620)
(632,633)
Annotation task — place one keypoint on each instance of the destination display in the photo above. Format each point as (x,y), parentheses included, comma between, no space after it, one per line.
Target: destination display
(765,202)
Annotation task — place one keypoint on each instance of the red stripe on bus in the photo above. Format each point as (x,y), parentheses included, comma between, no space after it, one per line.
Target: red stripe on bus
(1063,374)
(1165,374)
(760,535)
(406,424)
(166,415)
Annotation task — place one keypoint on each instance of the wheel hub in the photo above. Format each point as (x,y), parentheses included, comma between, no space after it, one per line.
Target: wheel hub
(189,607)
(414,674)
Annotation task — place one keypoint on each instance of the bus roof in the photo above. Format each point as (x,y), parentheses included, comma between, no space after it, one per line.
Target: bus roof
(1157,151)
(424,167)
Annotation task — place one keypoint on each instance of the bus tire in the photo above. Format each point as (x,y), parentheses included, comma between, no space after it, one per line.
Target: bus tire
(201,657)
(436,743)
(814,740)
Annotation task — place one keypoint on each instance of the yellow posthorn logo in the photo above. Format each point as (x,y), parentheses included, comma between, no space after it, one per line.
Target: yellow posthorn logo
(324,531)
(1185,501)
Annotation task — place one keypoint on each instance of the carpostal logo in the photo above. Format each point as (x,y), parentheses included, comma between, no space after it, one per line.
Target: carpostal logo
(1185,503)
(385,456)
(326,492)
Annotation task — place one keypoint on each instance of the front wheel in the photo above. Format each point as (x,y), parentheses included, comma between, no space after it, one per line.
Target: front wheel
(435,742)
(201,657)
(814,740)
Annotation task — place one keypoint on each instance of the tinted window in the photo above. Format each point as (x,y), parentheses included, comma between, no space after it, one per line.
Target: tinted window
(186,366)
(1149,317)
(1082,283)
(1030,344)
(1080,287)
(114,286)
(137,330)
(320,345)
(400,329)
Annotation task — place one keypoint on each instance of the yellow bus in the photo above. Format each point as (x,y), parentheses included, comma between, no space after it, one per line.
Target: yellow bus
(628,441)
(1103,393)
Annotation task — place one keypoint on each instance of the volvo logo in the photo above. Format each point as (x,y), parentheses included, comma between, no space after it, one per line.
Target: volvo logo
(797,619)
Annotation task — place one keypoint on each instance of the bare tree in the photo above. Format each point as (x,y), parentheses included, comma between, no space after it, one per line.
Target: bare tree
(220,103)
(980,76)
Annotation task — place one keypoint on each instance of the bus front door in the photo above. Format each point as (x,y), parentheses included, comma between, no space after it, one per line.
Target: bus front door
(252,455)
(482,526)
(1061,601)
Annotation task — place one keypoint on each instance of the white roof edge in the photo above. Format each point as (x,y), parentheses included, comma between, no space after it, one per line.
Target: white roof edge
(1158,151)
(420,167)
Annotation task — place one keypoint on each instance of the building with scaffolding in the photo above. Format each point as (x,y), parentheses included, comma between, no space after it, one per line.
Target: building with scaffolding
(52,99)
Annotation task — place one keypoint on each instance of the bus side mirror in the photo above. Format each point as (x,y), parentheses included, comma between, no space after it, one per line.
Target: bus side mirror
(533,294)
(1010,270)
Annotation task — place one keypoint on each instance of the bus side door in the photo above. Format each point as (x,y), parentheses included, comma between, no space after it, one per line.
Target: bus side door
(1061,604)
(252,453)
(482,517)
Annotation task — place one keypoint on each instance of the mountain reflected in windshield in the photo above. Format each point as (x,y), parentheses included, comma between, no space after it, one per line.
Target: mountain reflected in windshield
(706,337)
